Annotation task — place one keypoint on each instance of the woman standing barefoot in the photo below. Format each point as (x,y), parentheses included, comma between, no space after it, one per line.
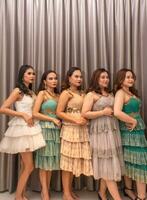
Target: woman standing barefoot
(75,149)
(24,134)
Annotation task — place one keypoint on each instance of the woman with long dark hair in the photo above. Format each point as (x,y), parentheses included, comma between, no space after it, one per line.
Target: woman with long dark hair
(127,110)
(24,134)
(47,158)
(75,149)
(104,133)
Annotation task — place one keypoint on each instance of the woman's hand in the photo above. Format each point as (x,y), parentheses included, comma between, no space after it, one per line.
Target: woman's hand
(57,122)
(28,119)
(132,125)
(81,121)
(108,111)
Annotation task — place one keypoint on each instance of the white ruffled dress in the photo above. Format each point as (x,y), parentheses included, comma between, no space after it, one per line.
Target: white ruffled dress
(19,137)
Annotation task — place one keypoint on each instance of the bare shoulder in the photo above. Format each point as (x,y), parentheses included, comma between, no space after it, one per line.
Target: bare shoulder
(41,93)
(120,96)
(120,93)
(66,93)
(90,94)
(17,93)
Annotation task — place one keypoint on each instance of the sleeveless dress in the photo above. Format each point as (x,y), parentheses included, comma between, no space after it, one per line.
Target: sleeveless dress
(48,157)
(105,141)
(19,137)
(134,143)
(75,148)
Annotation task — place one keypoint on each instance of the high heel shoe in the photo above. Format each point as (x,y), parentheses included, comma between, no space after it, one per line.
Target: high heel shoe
(25,198)
(99,197)
(138,198)
(127,195)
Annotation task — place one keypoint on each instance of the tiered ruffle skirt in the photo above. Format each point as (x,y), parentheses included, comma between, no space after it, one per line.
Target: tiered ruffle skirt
(19,137)
(107,155)
(135,151)
(75,150)
(48,157)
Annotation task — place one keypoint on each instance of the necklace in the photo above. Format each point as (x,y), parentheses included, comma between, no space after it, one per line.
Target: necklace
(52,94)
(128,92)
(76,91)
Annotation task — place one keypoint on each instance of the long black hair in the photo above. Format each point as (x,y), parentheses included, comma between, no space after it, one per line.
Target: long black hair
(43,78)
(66,84)
(20,84)
(94,81)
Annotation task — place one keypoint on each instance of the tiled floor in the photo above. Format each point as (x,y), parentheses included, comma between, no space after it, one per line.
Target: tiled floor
(84,195)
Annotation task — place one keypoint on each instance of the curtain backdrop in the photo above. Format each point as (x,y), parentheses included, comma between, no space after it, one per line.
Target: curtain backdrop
(58,34)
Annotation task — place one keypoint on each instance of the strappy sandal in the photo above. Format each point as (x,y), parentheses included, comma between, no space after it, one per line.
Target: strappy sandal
(138,198)
(127,195)
(99,197)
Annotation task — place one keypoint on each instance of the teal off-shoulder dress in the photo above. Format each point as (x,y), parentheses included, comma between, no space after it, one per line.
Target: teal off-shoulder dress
(48,157)
(134,143)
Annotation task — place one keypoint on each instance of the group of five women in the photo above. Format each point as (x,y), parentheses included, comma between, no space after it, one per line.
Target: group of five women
(78,132)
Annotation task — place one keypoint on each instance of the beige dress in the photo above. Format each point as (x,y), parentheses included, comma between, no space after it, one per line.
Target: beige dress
(75,147)
(105,141)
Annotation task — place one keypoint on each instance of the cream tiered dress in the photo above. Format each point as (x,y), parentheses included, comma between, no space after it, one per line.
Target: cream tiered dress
(75,147)
(19,137)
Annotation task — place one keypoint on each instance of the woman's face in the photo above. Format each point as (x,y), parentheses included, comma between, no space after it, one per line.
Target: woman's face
(51,80)
(129,80)
(103,80)
(29,76)
(76,78)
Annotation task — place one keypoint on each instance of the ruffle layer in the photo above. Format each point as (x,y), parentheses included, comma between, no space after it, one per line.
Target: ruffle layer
(136,173)
(106,145)
(19,130)
(51,149)
(77,166)
(47,163)
(51,135)
(48,157)
(108,168)
(74,133)
(49,125)
(21,144)
(140,125)
(75,150)
(103,125)
(19,121)
(139,158)
(134,138)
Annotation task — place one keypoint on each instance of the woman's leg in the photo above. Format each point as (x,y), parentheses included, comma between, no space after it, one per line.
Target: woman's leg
(128,191)
(49,174)
(74,195)
(113,189)
(28,167)
(102,189)
(141,190)
(66,181)
(43,175)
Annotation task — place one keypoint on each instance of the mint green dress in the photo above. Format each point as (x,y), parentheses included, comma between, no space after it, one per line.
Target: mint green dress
(134,143)
(48,157)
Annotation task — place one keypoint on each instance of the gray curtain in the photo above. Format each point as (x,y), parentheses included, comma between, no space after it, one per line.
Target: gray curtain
(58,34)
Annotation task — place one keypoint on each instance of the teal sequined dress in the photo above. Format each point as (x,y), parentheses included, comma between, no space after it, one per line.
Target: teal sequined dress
(134,143)
(48,158)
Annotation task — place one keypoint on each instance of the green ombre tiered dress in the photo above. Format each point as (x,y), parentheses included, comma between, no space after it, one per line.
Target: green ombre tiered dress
(48,158)
(134,143)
